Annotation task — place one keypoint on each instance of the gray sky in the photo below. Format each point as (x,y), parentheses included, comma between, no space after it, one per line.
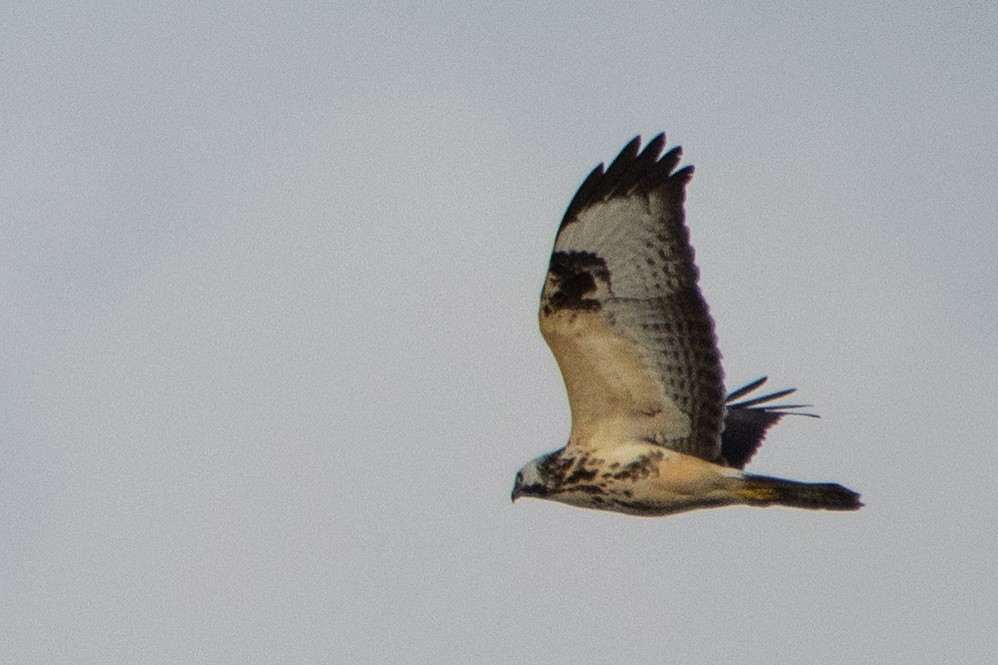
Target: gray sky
(268,290)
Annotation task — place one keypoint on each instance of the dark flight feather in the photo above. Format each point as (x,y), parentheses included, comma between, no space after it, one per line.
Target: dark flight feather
(747,421)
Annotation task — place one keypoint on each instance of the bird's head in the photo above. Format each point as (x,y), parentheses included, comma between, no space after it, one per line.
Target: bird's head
(531,480)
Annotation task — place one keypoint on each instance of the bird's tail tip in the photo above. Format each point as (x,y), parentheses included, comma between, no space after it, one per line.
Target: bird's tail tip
(766,491)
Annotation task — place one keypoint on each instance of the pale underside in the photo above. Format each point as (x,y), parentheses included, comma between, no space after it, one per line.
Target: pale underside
(636,349)
(625,320)
(613,395)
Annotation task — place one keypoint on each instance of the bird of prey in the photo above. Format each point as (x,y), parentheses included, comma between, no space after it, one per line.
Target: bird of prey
(653,432)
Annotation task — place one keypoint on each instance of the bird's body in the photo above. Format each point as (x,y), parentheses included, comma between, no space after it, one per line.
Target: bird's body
(637,478)
(652,430)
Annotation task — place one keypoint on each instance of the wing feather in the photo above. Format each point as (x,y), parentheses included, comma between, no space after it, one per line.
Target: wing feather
(747,421)
(623,315)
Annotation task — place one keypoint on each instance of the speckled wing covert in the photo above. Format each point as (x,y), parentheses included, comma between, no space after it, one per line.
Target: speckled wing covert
(623,315)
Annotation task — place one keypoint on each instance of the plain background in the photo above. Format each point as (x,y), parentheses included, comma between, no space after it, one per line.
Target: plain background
(268,288)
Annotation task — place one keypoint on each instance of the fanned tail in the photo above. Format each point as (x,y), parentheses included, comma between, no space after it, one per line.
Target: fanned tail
(767,491)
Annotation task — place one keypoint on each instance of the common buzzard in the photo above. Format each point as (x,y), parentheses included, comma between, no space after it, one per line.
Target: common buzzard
(652,430)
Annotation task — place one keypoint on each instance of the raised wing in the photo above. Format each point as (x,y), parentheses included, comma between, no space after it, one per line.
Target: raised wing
(747,421)
(623,315)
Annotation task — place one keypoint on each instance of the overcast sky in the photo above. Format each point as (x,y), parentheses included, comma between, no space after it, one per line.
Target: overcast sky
(268,291)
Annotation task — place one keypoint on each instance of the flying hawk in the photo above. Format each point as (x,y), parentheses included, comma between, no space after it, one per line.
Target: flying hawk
(652,430)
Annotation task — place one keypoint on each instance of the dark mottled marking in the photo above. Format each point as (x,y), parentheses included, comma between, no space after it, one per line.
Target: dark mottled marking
(581,474)
(642,467)
(575,276)
(597,491)
(555,467)
(560,470)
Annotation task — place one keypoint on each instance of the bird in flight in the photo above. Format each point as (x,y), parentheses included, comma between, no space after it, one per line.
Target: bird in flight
(653,432)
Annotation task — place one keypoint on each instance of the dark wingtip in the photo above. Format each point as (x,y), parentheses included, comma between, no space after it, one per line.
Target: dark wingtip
(764,400)
(747,421)
(585,193)
(624,158)
(747,388)
(633,170)
(654,147)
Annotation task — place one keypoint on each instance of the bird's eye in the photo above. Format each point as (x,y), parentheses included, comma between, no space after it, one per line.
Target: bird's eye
(519,477)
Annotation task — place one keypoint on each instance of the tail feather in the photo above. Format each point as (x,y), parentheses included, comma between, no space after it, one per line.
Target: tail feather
(766,491)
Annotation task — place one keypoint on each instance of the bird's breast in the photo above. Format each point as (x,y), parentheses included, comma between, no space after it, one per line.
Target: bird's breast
(643,479)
